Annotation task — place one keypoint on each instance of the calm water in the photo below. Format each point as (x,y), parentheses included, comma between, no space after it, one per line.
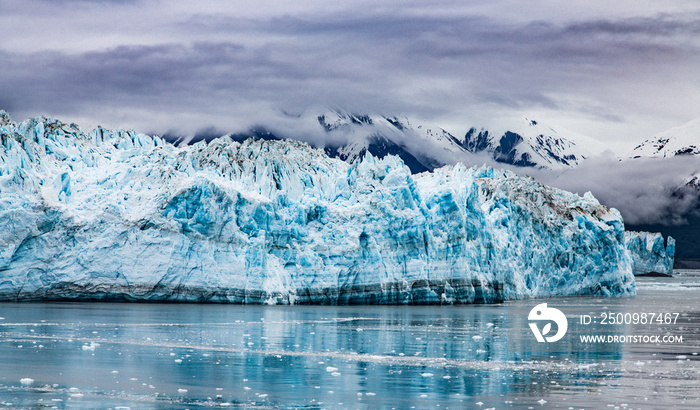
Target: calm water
(193,356)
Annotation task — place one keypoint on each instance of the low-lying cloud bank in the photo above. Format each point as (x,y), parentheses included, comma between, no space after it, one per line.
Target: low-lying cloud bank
(644,190)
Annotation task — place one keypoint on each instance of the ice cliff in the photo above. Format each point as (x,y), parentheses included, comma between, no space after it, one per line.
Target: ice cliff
(119,215)
(648,253)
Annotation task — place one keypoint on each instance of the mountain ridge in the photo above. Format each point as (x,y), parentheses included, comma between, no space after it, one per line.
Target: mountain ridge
(677,141)
(423,146)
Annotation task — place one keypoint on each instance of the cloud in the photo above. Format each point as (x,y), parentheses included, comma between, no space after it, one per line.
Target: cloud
(644,190)
(199,66)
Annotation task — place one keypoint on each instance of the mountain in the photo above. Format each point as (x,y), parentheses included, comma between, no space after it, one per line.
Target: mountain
(422,146)
(528,143)
(678,149)
(679,141)
(119,215)
(678,144)
(340,134)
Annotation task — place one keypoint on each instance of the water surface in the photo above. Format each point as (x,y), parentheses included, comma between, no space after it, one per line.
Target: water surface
(87,355)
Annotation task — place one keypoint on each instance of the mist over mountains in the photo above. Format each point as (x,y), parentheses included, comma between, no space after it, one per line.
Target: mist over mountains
(422,146)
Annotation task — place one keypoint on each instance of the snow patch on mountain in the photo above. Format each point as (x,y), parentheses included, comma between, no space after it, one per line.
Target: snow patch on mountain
(350,136)
(528,143)
(679,141)
(421,145)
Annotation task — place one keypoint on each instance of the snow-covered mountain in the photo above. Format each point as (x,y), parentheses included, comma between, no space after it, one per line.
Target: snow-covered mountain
(424,146)
(679,141)
(677,144)
(528,143)
(341,134)
(120,215)
(420,145)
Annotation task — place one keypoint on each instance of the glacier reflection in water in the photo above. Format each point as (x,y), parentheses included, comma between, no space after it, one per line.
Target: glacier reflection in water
(86,355)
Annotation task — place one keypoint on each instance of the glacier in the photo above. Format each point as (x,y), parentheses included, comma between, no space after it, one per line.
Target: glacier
(648,253)
(119,215)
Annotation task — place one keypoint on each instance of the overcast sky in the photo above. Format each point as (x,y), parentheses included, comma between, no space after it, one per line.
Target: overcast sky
(612,70)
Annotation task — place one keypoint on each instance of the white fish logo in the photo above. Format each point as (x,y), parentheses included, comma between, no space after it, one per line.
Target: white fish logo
(542,312)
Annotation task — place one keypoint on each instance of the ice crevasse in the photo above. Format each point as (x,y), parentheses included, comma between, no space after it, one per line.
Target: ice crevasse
(119,215)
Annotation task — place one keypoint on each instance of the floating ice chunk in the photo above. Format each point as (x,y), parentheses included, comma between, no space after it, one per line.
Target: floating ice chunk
(427,374)
(331,369)
(648,253)
(91,346)
(182,391)
(178,360)
(26,381)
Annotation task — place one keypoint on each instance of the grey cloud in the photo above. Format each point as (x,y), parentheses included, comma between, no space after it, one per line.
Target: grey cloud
(661,25)
(139,75)
(641,189)
(216,69)
(96,2)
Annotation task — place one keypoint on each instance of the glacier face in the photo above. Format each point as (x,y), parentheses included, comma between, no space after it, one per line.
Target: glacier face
(648,253)
(119,215)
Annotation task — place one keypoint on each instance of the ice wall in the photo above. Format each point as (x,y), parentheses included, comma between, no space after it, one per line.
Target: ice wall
(648,253)
(119,215)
